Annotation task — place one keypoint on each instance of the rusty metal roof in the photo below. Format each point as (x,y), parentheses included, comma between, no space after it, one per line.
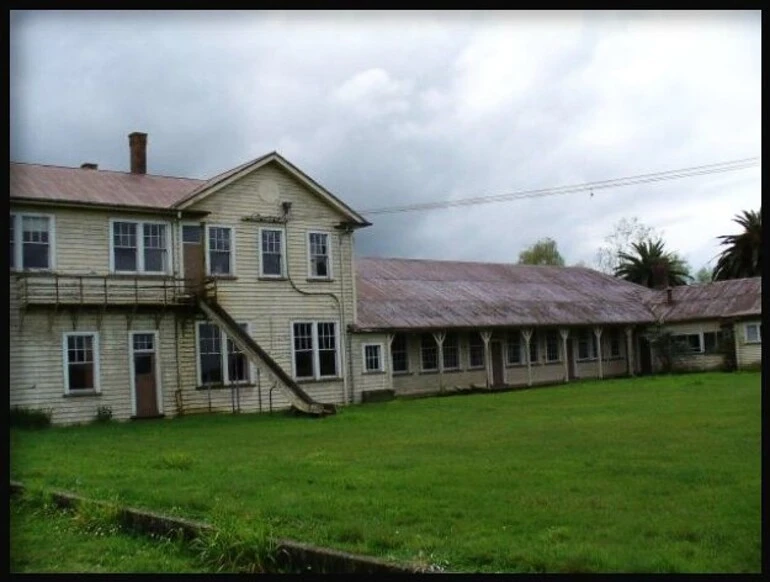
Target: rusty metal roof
(720,299)
(62,184)
(421,294)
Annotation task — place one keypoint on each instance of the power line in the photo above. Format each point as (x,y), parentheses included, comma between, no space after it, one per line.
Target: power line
(730,166)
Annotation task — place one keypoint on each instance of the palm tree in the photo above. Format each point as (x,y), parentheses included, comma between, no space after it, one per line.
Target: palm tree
(743,255)
(651,265)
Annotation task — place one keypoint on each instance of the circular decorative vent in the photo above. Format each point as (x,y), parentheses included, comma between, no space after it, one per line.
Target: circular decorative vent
(268,192)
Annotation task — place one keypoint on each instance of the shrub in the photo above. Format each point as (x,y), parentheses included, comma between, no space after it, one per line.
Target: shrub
(103,414)
(30,417)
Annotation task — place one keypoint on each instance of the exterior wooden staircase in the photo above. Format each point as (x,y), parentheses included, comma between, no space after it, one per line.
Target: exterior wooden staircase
(299,399)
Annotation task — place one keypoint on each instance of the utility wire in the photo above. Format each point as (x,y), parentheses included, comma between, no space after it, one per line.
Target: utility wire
(730,166)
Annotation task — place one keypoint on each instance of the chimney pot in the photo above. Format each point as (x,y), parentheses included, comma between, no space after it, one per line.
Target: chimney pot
(89,166)
(137,143)
(669,295)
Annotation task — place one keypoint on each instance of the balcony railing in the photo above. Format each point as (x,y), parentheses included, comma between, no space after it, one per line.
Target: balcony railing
(96,290)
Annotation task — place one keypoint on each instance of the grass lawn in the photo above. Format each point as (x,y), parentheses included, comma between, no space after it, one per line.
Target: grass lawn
(47,540)
(657,474)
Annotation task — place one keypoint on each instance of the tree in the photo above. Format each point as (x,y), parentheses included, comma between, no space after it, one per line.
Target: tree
(624,233)
(543,252)
(743,255)
(703,275)
(649,264)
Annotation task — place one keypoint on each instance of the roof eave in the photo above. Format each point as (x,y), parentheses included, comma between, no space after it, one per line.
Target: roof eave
(103,206)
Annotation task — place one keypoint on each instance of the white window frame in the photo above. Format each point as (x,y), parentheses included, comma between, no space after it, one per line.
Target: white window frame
(422,360)
(381,358)
(97,362)
(18,237)
(208,252)
(330,274)
(316,350)
(222,356)
(522,346)
(592,347)
(262,274)
(558,358)
(459,354)
(132,371)
(483,351)
(756,326)
(140,246)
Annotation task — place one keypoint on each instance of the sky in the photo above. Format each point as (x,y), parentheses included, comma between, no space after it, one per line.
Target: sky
(396,108)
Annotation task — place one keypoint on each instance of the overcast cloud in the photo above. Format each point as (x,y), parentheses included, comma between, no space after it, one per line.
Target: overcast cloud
(400,108)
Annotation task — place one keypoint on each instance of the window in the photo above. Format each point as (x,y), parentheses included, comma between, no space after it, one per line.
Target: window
(139,247)
(81,361)
(315,349)
(687,342)
(586,345)
(475,351)
(451,351)
(399,353)
(318,254)
(614,343)
(514,348)
(220,250)
(271,241)
(373,358)
(534,348)
(753,333)
(217,365)
(31,241)
(428,352)
(552,346)
(712,341)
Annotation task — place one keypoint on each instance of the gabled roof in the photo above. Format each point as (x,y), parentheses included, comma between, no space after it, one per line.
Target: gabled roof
(37,182)
(59,184)
(225,178)
(718,300)
(404,294)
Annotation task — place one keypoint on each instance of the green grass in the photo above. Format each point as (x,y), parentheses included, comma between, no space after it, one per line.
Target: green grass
(658,474)
(45,539)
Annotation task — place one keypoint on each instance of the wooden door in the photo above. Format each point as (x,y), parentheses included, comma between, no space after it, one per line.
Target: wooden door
(193,257)
(645,356)
(497,363)
(144,367)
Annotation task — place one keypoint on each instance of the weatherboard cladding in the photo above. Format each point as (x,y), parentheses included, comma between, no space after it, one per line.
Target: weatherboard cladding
(421,294)
(736,298)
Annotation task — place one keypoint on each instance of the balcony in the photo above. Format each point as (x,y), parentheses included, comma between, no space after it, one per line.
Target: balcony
(36,289)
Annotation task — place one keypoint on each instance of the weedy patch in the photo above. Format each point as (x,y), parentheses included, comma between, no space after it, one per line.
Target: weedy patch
(174,460)
(232,549)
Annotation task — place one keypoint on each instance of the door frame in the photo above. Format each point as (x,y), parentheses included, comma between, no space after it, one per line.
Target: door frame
(182,224)
(156,353)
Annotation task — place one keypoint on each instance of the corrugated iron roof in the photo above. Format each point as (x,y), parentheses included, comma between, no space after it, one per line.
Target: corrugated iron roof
(423,294)
(62,184)
(720,299)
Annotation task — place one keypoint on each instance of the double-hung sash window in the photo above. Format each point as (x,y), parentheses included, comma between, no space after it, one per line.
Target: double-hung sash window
(316,349)
(31,241)
(220,250)
(81,362)
(140,247)
(475,350)
(399,354)
(217,366)
(428,352)
(552,346)
(373,358)
(514,348)
(319,255)
(614,343)
(586,345)
(754,333)
(712,342)
(451,351)
(687,343)
(534,352)
(271,260)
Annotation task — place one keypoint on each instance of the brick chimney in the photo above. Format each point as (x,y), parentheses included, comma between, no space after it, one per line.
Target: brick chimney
(669,295)
(89,166)
(137,142)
